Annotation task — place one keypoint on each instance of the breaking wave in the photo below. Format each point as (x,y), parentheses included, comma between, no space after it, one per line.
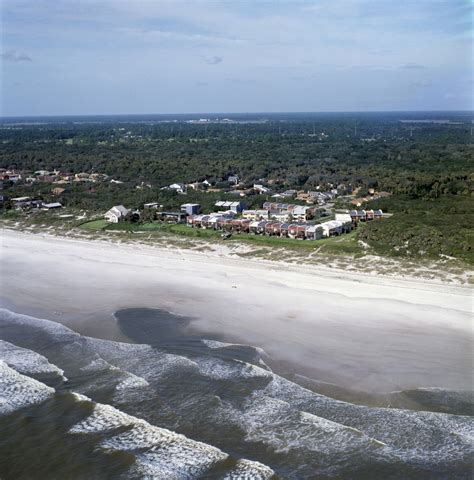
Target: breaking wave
(199,408)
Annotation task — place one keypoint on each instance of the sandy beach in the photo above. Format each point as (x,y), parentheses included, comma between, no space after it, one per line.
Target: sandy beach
(359,331)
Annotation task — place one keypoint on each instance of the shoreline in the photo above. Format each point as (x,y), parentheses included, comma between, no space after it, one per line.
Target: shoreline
(233,259)
(359,331)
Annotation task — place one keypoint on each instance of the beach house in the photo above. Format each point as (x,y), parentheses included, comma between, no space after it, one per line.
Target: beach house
(116,214)
(191,208)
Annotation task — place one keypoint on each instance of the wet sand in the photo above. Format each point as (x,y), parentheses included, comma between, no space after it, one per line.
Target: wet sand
(358,331)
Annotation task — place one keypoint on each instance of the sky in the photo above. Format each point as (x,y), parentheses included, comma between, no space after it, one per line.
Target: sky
(85,57)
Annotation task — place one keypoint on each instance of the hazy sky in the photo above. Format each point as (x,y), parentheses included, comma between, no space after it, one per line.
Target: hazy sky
(143,56)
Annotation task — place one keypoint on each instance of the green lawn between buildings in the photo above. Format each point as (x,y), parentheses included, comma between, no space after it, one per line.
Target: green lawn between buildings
(344,244)
(94,225)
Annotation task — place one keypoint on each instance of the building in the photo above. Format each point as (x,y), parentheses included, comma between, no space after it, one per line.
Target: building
(357,216)
(302,214)
(116,214)
(365,215)
(78,177)
(279,216)
(261,189)
(51,206)
(58,191)
(178,188)
(276,207)
(20,203)
(332,228)
(191,208)
(314,232)
(297,231)
(298,213)
(320,197)
(343,217)
(154,205)
(172,217)
(236,207)
(255,214)
(20,200)
(233,179)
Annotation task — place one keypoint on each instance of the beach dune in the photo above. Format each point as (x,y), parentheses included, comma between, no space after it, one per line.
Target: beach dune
(362,332)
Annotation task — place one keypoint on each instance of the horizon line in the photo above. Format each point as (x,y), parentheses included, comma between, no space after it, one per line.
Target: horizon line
(231,113)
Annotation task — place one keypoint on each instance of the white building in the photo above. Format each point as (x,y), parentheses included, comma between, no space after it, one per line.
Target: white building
(314,232)
(154,205)
(178,187)
(261,189)
(49,206)
(236,207)
(331,228)
(255,214)
(279,216)
(116,214)
(343,217)
(191,208)
(301,213)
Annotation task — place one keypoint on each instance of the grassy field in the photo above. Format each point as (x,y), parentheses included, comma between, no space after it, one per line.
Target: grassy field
(344,244)
(94,225)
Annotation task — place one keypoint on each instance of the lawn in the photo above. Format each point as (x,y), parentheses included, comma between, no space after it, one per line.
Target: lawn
(344,244)
(94,225)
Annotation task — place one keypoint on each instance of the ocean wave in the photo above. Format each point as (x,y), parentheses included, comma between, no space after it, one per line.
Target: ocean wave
(434,400)
(54,329)
(19,391)
(158,453)
(28,362)
(229,405)
(427,437)
(248,470)
(162,454)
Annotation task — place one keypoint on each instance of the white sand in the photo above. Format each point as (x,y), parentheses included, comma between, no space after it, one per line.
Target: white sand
(364,332)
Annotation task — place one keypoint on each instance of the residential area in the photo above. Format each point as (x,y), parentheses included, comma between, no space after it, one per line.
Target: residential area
(273,219)
(313,216)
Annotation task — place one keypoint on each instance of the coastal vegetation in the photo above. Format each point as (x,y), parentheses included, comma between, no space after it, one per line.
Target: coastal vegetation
(426,167)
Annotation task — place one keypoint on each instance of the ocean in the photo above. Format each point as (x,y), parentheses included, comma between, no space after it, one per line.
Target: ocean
(169,404)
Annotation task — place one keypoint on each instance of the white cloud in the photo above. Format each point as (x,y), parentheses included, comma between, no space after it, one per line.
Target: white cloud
(14,56)
(214,60)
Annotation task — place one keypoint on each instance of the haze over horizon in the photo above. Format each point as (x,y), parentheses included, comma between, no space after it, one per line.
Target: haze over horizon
(141,57)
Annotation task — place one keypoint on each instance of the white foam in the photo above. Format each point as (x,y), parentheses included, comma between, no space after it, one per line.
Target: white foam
(281,415)
(131,381)
(219,369)
(142,360)
(249,470)
(27,361)
(277,424)
(128,384)
(97,364)
(410,436)
(168,455)
(53,328)
(214,344)
(102,419)
(19,391)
